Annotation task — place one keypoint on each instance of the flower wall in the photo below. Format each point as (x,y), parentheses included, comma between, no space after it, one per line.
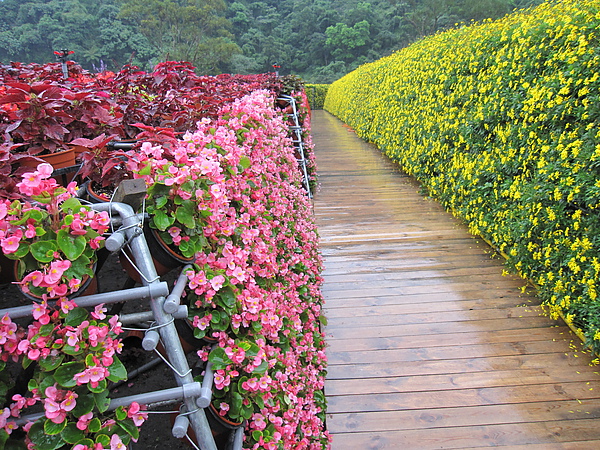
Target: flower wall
(255,288)
(499,121)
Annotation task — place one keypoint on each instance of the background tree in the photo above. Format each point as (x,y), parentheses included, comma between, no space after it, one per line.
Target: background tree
(185,30)
(319,40)
(31,30)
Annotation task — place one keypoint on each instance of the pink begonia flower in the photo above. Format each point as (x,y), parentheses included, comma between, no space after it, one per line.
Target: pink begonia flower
(34,354)
(72,338)
(74,284)
(115,325)
(40,312)
(10,426)
(5,415)
(54,411)
(79,227)
(69,402)
(175,233)
(55,273)
(237,356)
(30,232)
(100,221)
(4,209)
(36,278)
(21,402)
(258,421)
(136,414)
(217,282)
(58,290)
(223,408)
(264,382)
(221,381)
(84,420)
(202,323)
(97,334)
(45,170)
(95,242)
(251,384)
(116,443)
(238,274)
(92,375)
(99,312)
(11,243)
(197,279)
(66,305)
(30,180)
(216,191)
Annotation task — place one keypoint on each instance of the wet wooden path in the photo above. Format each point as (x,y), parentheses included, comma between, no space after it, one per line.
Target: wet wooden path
(429,345)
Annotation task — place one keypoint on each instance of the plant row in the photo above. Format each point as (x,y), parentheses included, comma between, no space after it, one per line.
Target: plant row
(499,121)
(224,190)
(42,112)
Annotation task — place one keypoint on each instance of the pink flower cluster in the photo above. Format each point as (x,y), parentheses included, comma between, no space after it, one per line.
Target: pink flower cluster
(260,267)
(48,337)
(35,343)
(24,225)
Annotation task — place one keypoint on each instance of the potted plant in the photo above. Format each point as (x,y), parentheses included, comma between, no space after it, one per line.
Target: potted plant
(53,238)
(68,355)
(102,166)
(93,113)
(12,166)
(185,184)
(36,117)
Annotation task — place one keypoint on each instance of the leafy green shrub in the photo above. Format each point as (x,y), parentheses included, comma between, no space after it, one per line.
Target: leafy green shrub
(316,95)
(499,121)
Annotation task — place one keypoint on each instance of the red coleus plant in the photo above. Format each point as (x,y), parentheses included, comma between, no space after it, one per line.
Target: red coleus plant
(44,117)
(39,118)
(93,112)
(102,164)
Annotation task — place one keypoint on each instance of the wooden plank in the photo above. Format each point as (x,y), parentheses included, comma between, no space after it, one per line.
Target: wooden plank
(444,352)
(331,293)
(588,444)
(417,306)
(464,380)
(453,366)
(373,251)
(496,395)
(395,264)
(425,274)
(542,434)
(411,329)
(441,301)
(442,283)
(516,336)
(395,316)
(423,419)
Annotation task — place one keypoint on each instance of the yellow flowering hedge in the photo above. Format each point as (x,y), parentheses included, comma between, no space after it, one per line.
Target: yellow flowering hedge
(316,94)
(500,122)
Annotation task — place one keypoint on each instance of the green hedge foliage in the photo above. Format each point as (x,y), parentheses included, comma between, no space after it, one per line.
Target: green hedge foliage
(500,122)
(316,95)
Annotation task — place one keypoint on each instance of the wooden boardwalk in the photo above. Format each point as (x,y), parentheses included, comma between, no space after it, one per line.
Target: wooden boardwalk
(429,345)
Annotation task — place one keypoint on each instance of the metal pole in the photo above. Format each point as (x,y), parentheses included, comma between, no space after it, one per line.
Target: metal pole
(164,321)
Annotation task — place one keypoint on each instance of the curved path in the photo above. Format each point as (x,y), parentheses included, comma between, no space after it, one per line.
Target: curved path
(429,345)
